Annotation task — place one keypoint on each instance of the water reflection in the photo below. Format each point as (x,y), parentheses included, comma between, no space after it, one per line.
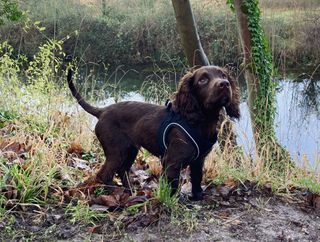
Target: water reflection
(297,121)
(311,90)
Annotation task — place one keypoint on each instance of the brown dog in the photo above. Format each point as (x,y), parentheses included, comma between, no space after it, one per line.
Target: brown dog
(186,128)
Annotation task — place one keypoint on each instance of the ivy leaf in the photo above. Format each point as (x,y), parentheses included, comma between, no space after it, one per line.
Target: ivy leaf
(10,11)
(231,4)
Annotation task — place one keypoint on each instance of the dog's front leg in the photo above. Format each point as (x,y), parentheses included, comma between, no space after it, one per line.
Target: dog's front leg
(178,155)
(196,168)
(172,174)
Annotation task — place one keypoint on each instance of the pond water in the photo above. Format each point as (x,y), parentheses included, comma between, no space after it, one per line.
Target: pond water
(297,121)
(298,110)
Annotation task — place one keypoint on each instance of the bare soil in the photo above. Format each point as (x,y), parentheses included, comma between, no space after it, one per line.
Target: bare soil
(245,221)
(224,215)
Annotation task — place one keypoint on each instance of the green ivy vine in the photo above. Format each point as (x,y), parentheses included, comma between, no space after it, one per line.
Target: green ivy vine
(261,63)
(9,10)
(231,4)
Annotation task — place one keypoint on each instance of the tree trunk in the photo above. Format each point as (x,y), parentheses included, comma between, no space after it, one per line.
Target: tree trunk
(196,57)
(261,89)
(251,79)
(189,34)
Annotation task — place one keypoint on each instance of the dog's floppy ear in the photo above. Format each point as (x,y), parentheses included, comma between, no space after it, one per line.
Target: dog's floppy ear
(233,109)
(184,101)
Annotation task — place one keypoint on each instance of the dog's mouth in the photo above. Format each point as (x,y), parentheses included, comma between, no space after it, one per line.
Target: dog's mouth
(224,101)
(221,100)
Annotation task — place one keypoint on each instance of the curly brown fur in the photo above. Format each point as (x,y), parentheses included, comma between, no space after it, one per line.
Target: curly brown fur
(125,127)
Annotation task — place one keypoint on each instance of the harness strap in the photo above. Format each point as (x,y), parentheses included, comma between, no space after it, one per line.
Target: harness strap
(185,131)
(171,120)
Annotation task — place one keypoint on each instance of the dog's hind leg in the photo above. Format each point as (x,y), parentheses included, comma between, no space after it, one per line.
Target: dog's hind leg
(120,155)
(123,172)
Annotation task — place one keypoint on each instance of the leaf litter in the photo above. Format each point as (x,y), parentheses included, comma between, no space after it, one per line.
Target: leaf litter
(228,207)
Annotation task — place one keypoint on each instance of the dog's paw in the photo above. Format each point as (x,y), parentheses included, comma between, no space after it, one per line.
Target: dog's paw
(198,196)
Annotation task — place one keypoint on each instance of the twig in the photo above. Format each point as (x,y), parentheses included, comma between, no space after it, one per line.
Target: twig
(233,219)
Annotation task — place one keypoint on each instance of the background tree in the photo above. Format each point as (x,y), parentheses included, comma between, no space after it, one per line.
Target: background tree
(257,63)
(189,34)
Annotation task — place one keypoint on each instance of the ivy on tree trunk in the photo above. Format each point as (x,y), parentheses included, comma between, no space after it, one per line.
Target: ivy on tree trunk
(259,77)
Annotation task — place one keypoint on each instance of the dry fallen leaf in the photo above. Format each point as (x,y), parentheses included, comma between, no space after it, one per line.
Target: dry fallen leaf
(99,208)
(135,200)
(186,188)
(13,151)
(109,201)
(75,148)
(9,192)
(236,222)
(155,166)
(230,183)
(95,229)
(81,164)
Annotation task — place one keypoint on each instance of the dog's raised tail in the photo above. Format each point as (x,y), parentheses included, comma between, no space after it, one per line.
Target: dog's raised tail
(95,111)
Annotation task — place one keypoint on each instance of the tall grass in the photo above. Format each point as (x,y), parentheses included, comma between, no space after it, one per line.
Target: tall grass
(235,164)
(34,119)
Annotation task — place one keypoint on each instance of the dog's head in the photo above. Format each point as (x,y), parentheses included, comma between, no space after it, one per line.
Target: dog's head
(206,91)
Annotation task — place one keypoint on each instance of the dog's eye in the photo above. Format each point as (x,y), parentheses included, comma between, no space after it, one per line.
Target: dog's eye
(203,81)
(223,76)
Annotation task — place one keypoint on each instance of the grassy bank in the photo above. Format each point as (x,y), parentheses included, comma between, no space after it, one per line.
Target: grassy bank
(143,32)
(45,151)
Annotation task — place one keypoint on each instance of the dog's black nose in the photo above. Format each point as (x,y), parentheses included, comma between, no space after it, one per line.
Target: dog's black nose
(224,84)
